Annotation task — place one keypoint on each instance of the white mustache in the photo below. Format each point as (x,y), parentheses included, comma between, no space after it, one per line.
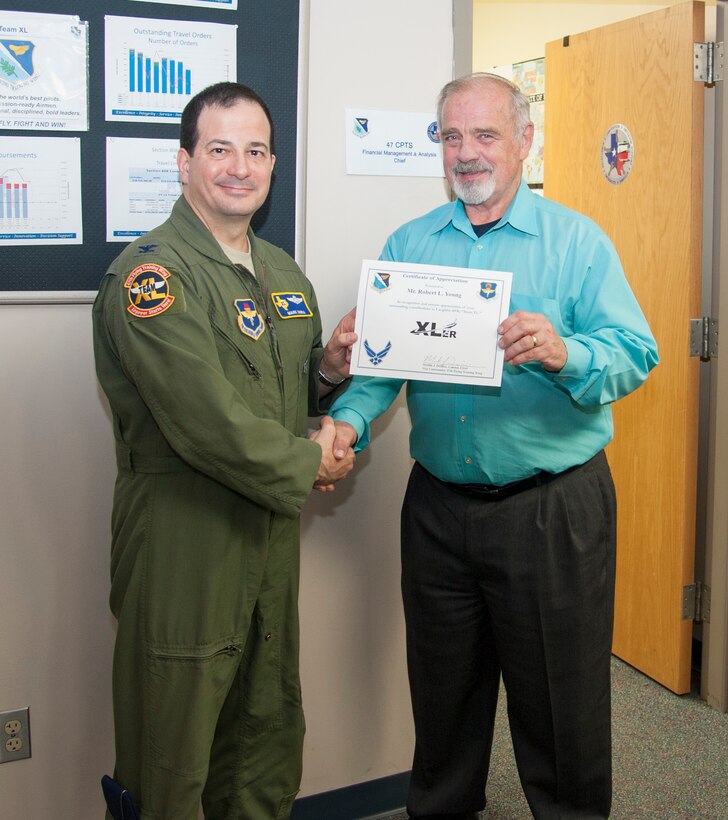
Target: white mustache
(474,167)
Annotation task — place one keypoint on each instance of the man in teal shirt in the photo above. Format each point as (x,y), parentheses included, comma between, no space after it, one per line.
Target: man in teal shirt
(508,523)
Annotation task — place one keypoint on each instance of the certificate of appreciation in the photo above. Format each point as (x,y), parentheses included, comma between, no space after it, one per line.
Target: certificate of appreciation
(430,323)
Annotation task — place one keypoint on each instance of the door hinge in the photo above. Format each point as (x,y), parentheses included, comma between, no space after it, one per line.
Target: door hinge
(696,603)
(708,62)
(704,337)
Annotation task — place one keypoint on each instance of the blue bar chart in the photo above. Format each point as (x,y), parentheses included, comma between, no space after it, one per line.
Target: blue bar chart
(158,75)
(153,67)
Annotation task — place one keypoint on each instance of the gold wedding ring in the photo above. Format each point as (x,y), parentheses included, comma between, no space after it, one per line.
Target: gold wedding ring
(535,341)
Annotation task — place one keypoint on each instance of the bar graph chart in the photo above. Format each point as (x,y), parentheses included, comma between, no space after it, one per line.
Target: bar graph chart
(14,201)
(40,196)
(154,67)
(158,75)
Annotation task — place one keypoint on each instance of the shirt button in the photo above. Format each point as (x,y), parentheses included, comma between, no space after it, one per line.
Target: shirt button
(268,636)
(463,418)
(479,246)
(468,460)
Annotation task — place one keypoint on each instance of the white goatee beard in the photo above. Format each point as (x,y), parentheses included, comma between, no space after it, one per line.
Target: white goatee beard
(473,192)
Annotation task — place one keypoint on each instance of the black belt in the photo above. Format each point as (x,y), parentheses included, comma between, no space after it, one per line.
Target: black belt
(493,492)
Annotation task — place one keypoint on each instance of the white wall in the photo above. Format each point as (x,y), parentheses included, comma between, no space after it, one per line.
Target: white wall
(56,633)
(391,56)
(512,32)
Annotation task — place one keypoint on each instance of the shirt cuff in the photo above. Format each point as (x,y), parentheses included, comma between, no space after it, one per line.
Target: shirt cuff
(357,422)
(578,361)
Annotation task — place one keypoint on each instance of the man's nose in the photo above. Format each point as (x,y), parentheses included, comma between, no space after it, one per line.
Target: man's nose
(239,165)
(467,149)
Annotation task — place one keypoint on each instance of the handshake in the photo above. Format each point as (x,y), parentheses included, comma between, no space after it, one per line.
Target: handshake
(336,439)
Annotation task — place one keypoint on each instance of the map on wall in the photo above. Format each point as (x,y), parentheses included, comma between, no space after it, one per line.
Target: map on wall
(529,76)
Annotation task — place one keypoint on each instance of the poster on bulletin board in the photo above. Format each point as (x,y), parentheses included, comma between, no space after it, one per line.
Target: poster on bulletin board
(43,72)
(96,178)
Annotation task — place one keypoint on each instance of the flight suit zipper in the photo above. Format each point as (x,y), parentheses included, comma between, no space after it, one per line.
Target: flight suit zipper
(251,368)
(273,336)
(260,285)
(231,650)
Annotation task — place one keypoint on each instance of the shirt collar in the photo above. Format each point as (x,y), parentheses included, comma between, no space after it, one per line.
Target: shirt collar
(521,215)
(192,230)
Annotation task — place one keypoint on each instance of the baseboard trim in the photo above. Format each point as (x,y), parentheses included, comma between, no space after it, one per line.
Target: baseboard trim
(363,801)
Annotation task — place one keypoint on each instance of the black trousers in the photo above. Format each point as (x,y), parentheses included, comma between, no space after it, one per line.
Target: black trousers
(524,587)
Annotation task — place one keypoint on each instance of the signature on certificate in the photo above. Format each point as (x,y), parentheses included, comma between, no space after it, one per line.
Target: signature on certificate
(435,361)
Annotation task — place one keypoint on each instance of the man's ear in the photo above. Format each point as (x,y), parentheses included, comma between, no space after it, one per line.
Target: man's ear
(526,141)
(183,164)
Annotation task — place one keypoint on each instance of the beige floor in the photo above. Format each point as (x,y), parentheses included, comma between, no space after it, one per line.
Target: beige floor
(670,757)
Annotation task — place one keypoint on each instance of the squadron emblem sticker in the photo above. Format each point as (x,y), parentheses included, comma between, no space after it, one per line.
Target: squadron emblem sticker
(148,291)
(488,289)
(361,126)
(380,281)
(617,153)
(250,321)
(16,61)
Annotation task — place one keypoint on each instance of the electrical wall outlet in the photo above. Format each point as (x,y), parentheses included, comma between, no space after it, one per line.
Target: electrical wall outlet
(14,734)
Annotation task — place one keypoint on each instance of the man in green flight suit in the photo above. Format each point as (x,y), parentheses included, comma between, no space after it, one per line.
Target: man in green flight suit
(208,346)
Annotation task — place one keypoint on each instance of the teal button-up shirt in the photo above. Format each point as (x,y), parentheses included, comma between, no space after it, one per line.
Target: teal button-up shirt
(565,267)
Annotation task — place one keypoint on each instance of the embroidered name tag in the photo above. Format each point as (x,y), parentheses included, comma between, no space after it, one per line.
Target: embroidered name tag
(291,305)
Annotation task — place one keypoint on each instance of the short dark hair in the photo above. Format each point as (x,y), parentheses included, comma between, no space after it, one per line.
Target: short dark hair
(223,95)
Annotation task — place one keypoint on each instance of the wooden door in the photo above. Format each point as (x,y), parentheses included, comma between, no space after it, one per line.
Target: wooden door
(639,74)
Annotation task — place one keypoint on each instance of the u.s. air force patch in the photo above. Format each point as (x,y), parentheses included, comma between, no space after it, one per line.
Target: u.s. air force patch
(148,291)
(291,305)
(250,321)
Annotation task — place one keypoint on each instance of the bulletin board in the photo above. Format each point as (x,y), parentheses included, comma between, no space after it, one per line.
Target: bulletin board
(266,58)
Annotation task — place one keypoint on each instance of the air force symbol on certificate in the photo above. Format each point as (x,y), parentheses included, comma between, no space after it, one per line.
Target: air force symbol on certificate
(430,323)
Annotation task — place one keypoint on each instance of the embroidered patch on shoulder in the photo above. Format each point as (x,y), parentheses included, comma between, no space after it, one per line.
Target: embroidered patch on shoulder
(148,291)
(250,321)
(291,305)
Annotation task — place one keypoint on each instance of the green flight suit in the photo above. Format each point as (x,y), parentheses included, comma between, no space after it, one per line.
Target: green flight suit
(211,374)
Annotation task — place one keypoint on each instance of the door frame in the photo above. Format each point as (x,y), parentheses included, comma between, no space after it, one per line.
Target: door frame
(714,669)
